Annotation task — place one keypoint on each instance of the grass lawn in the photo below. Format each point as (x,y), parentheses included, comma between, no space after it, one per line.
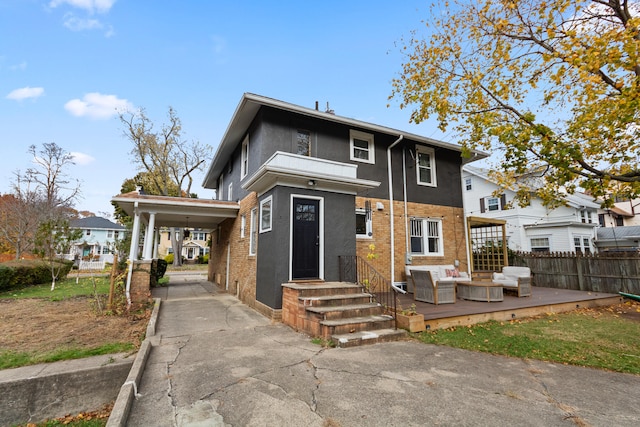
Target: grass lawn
(64,289)
(605,338)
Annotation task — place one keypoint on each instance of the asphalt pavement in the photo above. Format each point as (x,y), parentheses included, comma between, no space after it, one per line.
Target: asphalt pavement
(214,361)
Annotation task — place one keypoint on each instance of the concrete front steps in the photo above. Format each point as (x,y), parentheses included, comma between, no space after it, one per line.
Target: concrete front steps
(339,311)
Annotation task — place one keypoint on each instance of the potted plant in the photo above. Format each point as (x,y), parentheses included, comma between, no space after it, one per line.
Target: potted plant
(410,320)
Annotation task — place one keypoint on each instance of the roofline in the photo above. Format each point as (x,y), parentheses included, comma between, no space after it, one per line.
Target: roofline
(259,101)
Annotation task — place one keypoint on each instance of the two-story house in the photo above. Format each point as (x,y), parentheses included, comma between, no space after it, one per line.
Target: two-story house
(195,243)
(534,228)
(312,186)
(99,237)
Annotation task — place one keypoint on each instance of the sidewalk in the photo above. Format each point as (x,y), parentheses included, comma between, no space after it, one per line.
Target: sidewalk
(215,362)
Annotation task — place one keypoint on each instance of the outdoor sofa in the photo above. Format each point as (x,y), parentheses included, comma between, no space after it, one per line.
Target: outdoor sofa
(516,279)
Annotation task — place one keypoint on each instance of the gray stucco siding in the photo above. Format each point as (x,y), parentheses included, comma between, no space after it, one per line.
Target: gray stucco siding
(274,246)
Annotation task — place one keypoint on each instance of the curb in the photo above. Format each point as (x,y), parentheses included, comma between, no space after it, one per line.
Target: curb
(129,390)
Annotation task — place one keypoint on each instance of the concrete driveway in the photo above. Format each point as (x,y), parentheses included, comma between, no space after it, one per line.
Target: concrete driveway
(216,362)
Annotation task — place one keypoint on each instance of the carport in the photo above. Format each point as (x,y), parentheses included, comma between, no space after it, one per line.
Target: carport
(153,212)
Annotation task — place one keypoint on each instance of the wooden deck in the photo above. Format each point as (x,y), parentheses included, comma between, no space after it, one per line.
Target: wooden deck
(542,300)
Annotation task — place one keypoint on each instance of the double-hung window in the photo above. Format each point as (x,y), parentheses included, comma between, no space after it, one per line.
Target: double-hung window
(425,166)
(363,223)
(303,142)
(582,244)
(253,232)
(265,214)
(244,158)
(426,236)
(540,244)
(361,146)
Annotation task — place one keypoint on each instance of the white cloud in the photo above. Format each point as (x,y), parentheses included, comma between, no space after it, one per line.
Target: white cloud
(79,24)
(25,93)
(97,106)
(91,6)
(81,158)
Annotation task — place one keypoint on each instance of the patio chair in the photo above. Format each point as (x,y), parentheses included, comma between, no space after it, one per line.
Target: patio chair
(426,289)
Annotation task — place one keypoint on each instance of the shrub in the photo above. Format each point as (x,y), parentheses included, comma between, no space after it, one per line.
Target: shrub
(6,276)
(161,268)
(35,272)
(169,259)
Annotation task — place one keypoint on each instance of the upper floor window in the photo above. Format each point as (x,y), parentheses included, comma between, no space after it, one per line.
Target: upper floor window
(109,234)
(88,232)
(244,157)
(585,216)
(116,234)
(361,146)
(363,223)
(243,225)
(492,203)
(220,193)
(230,192)
(265,214)
(426,236)
(467,184)
(425,166)
(303,143)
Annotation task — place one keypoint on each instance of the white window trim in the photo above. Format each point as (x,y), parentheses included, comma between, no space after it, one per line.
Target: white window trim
(425,227)
(468,184)
(488,204)
(368,223)
(253,232)
(243,225)
(540,237)
(371,146)
(230,192)
(432,156)
(244,157)
(268,200)
(220,195)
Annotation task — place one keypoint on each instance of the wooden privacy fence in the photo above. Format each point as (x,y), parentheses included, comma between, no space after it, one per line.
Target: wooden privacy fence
(601,272)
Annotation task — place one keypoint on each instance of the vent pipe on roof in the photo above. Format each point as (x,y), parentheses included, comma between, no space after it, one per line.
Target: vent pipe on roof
(329,110)
(316,105)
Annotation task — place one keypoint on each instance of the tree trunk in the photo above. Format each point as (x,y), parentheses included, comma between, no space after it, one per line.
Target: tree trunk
(176,245)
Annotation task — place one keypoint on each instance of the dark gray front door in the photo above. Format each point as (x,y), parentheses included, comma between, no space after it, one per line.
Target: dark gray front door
(306,239)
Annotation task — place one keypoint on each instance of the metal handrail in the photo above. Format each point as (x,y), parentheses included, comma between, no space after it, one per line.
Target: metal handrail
(355,269)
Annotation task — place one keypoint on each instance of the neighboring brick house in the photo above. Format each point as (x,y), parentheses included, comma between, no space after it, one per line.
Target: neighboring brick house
(570,228)
(99,236)
(313,186)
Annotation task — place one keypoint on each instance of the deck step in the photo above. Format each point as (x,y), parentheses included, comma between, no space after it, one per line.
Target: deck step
(368,337)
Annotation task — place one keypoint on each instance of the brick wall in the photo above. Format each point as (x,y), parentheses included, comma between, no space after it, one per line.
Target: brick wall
(452,228)
(139,289)
(242,266)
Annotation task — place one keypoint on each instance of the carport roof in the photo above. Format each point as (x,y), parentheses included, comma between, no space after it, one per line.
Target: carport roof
(177,211)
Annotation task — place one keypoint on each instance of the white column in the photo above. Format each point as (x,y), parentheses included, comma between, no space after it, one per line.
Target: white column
(156,242)
(149,237)
(133,249)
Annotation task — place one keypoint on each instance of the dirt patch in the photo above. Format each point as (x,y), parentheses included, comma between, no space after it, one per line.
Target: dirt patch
(34,325)
(629,310)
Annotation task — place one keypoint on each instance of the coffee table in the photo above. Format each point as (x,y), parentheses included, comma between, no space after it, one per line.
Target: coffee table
(480,291)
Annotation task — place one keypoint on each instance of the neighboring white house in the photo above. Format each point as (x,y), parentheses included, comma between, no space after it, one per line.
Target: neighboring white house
(98,239)
(534,228)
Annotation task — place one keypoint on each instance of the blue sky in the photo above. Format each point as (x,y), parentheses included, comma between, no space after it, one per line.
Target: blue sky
(66,65)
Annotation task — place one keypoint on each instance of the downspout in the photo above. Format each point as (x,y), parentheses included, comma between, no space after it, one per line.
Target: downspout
(406,223)
(391,221)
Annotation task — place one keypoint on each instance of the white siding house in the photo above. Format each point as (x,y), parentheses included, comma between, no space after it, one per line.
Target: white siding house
(535,227)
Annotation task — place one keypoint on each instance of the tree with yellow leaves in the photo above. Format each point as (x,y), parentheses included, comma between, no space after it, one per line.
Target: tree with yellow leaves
(554,86)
